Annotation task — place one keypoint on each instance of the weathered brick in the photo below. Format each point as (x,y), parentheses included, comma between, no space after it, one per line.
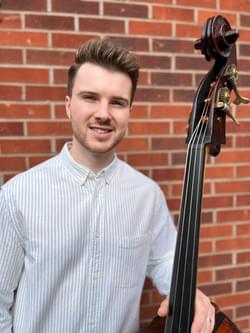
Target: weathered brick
(10,56)
(76,6)
(69,39)
(156,62)
(171,79)
(49,22)
(28,75)
(22,146)
(50,57)
(150,28)
(23,38)
(24,5)
(10,21)
(125,10)
(45,93)
(152,95)
(49,128)
(100,24)
(170,13)
(11,128)
(13,111)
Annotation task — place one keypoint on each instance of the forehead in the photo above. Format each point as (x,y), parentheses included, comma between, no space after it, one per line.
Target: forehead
(96,78)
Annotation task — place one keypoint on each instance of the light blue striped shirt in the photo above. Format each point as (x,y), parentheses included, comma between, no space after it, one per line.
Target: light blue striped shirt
(75,247)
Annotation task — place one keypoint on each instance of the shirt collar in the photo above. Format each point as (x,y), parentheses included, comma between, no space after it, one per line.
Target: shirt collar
(81,172)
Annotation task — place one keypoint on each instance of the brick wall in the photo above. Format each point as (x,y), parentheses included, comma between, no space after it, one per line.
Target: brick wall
(38,39)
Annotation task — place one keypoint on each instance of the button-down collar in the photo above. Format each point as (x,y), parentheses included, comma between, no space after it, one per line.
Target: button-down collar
(81,173)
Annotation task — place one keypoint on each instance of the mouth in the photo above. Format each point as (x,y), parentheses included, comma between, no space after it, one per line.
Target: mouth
(100,130)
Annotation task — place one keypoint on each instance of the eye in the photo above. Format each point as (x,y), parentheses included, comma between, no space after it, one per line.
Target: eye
(121,103)
(89,98)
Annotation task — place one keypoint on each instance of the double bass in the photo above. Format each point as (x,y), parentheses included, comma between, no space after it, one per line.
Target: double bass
(206,133)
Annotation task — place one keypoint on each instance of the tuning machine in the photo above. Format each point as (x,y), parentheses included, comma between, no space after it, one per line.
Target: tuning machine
(223,97)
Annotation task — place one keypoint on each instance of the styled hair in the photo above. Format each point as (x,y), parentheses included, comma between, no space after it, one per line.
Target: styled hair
(107,54)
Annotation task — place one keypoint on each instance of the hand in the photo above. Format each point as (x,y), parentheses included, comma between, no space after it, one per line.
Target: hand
(204,315)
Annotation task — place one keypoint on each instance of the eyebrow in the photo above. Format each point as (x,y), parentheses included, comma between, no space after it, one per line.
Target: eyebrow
(119,98)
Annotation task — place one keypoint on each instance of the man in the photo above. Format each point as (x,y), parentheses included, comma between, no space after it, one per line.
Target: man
(79,232)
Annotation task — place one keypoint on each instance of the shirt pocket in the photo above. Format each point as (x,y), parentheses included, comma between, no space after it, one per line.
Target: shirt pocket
(132,260)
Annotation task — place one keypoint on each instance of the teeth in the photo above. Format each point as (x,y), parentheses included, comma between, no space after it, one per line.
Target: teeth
(100,130)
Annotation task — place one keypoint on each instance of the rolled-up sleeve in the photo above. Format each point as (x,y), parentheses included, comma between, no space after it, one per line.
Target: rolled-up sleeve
(160,265)
(11,263)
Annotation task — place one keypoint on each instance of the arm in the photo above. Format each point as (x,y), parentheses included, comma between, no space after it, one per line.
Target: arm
(11,263)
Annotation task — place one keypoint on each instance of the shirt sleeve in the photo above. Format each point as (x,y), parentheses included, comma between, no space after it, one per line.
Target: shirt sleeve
(161,259)
(11,263)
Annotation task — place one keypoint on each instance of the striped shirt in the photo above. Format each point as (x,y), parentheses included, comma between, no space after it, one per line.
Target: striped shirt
(75,247)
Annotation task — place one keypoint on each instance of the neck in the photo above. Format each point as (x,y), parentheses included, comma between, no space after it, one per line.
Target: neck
(95,161)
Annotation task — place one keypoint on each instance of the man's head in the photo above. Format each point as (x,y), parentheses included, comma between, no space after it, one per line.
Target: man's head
(106,54)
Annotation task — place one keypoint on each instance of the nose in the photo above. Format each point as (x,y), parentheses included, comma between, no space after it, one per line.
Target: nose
(103,111)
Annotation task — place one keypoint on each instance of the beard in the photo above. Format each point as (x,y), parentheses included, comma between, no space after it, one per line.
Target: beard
(88,142)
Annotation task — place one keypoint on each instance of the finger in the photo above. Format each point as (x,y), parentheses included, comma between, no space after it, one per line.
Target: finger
(203,309)
(163,309)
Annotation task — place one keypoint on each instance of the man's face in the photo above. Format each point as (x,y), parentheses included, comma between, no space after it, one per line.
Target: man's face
(99,108)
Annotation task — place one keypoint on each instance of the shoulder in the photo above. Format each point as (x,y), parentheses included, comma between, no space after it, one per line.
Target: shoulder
(32,176)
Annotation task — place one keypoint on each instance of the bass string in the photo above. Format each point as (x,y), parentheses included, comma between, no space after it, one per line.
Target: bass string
(197,136)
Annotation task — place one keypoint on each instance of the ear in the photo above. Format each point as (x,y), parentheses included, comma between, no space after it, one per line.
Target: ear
(67,106)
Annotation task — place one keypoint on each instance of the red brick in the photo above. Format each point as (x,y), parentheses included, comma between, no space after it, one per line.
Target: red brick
(148,128)
(34,160)
(183,95)
(10,92)
(12,163)
(24,5)
(19,111)
(233,273)
(217,231)
(169,143)
(45,93)
(150,28)
(60,75)
(132,43)
(69,39)
(11,128)
(245,20)
(219,172)
(217,289)
(170,110)
(10,21)
(173,46)
(239,6)
(170,13)
(217,202)
(125,10)
(50,57)
(49,128)
(233,156)
(233,215)
(75,6)
(17,74)
(232,244)
(49,22)
(10,56)
(215,260)
(172,79)
(243,257)
(168,174)
(21,38)
(204,277)
(191,63)
(237,186)
(232,300)
(148,159)
(133,144)
(104,25)
(202,3)
(156,62)
(152,95)
(243,285)
(21,146)
(188,30)
(243,200)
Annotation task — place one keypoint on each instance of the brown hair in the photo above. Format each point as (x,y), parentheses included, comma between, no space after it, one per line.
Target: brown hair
(107,54)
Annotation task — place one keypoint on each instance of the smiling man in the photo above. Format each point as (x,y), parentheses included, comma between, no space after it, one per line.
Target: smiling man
(80,232)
